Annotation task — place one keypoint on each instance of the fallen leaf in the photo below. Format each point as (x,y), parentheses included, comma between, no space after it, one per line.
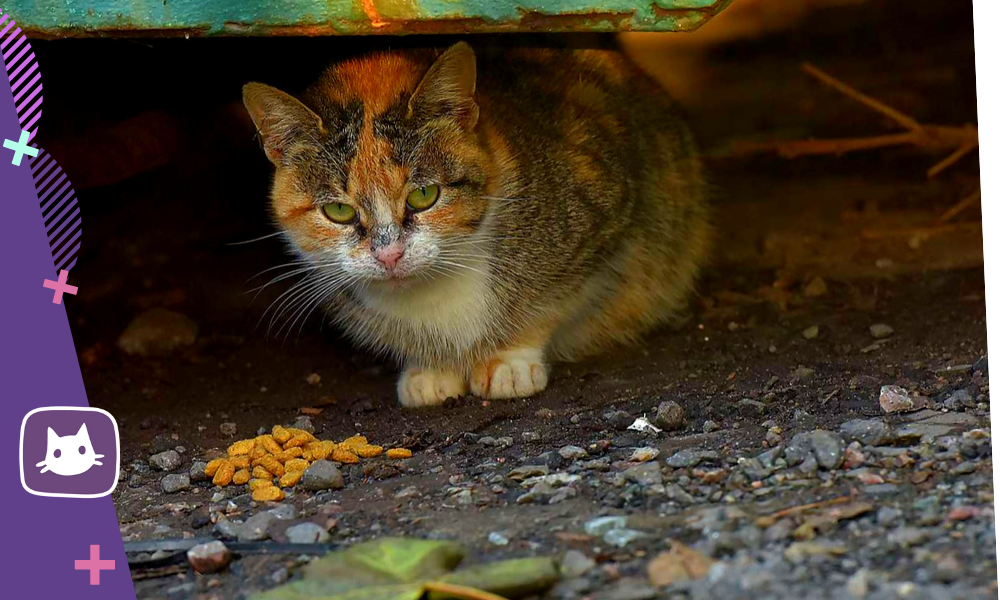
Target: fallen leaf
(309,410)
(678,564)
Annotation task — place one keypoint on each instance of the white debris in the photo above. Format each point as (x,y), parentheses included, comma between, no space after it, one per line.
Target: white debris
(643,425)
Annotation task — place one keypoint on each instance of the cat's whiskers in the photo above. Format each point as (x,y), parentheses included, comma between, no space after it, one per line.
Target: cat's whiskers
(261,238)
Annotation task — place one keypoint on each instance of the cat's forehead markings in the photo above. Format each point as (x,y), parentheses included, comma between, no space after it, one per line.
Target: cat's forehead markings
(377,81)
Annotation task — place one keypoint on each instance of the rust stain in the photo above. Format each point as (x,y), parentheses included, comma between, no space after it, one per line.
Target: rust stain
(372,13)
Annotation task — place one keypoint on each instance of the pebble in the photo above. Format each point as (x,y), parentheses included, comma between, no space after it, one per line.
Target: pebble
(528,471)
(869,432)
(227,529)
(828,449)
(254,529)
(669,416)
(305,424)
(690,458)
(958,400)
(575,564)
(197,471)
(619,419)
(645,474)
(322,475)
(881,330)
(709,427)
(888,515)
(211,557)
(166,461)
(172,484)
(307,533)
(158,332)
(811,332)
(815,289)
(601,525)
(530,436)
(644,454)
(228,429)
(283,512)
(497,539)
(894,399)
(573,453)
(859,584)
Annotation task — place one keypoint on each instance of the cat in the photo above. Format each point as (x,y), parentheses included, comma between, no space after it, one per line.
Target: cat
(479,213)
(70,454)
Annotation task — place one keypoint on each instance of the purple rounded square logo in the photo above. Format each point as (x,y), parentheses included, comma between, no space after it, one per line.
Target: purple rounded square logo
(69,452)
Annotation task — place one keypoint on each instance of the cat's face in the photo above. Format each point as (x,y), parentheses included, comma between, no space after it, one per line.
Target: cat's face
(381,178)
(70,454)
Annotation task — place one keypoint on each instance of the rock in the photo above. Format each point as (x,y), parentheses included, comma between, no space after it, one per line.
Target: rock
(313,379)
(228,429)
(573,453)
(958,400)
(620,419)
(254,529)
(801,551)
(859,584)
(690,458)
(894,399)
(530,436)
(165,461)
(172,484)
(669,416)
(322,475)
(601,525)
(709,427)
(677,494)
(622,537)
(798,449)
(802,373)
(227,529)
(869,432)
(910,536)
(645,474)
(158,332)
(644,454)
(828,449)
(881,330)
(815,289)
(211,557)
(307,533)
(305,424)
(497,539)
(811,332)
(575,564)
(887,515)
(283,512)
(528,471)
(197,471)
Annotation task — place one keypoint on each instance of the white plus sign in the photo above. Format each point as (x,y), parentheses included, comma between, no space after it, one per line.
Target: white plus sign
(20,148)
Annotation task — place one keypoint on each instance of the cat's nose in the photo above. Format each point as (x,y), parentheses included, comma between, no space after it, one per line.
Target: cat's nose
(389,254)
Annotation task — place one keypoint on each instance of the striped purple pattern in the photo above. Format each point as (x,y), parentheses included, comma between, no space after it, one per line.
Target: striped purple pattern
(60,211)
(23,74)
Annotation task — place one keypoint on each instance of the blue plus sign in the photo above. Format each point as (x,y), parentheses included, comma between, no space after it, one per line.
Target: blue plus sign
(20,148)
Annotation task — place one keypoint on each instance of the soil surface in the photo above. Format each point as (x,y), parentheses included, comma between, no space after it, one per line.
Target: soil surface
(776,364)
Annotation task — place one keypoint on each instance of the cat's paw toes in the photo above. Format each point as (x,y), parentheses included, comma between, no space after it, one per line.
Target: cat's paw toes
(511,374)
(427,387)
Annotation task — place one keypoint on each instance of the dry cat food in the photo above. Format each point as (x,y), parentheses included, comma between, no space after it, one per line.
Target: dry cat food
(283,456)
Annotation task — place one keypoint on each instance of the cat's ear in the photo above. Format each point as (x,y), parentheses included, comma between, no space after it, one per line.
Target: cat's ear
(52,437)
(280,118)
(449,87)
(83,431)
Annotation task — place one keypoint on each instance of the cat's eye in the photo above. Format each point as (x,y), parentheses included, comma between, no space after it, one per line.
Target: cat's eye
(57,453)
(423,198)
(339,212)
(82,450)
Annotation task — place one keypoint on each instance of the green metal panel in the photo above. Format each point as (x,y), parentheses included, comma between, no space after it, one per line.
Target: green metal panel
(61,18)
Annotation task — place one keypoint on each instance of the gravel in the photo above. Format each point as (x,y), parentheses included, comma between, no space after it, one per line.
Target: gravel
(307,533)
(165,461)
(322,475)
(175,483)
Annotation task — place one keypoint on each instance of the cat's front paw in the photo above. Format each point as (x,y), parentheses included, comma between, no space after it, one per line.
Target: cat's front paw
(428,387)
(510,374)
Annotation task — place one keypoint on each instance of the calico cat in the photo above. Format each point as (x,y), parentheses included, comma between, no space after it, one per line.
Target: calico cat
(477,214)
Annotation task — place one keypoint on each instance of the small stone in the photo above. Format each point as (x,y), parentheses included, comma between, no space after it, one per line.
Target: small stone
(304,423)
(530,436)
(644,455)
(254,529)
(620,420)
(505,442)
(798,449)
(828,449)
(684,458)
(894,399)
(197,472)
(801,551)
(497,539)
(158,332)
(528,471)
(909,536)
(958,400)
(322,475)
(622,537)
(307,533)
(677,494)
(227,529)
(811,332)
(802,373)
(859,584)
(573,453)
(888,515)
(601,525)
(869,432)
(211,557)
(645,474)
(815,289)
(313,379)
(709,427)
(575,564)
(172,484)
(228,429)
(669,416)
(165,461)
(881,330)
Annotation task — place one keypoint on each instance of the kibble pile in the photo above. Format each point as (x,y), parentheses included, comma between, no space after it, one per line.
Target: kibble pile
(279,459)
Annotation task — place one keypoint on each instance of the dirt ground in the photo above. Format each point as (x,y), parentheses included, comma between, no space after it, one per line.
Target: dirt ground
(742,368)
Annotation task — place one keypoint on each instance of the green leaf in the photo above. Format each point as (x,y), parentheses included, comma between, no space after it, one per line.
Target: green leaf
(510,578)
(389,561)
(293,591)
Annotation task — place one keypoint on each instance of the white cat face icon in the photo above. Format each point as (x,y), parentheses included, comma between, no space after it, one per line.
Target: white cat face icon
(70,454)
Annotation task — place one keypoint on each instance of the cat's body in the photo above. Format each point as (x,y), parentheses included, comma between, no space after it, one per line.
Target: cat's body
(568,212)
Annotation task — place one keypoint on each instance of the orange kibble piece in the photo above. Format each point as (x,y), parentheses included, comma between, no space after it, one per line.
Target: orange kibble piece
(297,441)
(321,450)
(240,477)
(355,441)
(296,464)
(267,494)
(343,456)
(260,472)
(287,455)
(280,434)
(399,453)
(302,433)
(258,451)
(241,447)
(272,465)
(269,444)
(224,476)
(213,466)
(290,478)
(257,483)
(240,462)
(369,451)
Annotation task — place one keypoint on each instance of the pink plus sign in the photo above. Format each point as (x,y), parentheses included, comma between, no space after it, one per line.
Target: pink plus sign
(95,565)
(60,287)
